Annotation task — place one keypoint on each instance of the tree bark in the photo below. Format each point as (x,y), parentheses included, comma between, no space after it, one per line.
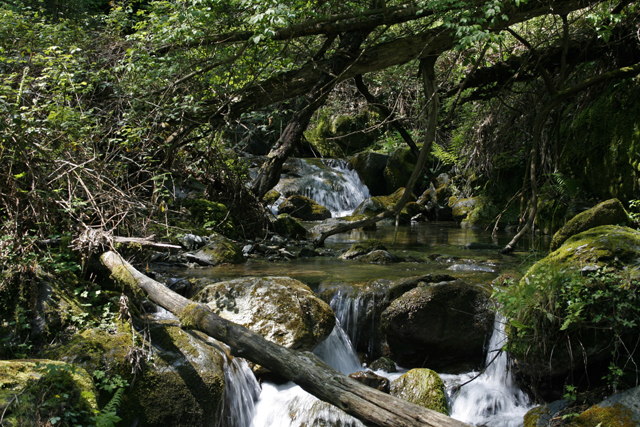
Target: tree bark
(365,403)
(427,72)
(298,82)
(270,171)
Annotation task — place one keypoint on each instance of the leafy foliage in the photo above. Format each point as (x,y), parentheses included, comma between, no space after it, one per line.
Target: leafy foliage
(555,306)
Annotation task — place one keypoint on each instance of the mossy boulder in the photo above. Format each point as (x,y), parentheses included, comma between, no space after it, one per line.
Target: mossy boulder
(610,212)
(375,205)
(443,326)
(342,135)
(380,257)
(219,250)
(281,309)
(362,248)
(422,387)
(370,168)
(399,167)
(37,391)
(304,208)
(271,197)
(619,410)
(557,322)
(461,208)
(183,386)
(288,226)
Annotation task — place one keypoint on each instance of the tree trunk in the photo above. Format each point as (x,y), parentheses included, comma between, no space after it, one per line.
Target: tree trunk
(427,72)
(270,171)
(365,403)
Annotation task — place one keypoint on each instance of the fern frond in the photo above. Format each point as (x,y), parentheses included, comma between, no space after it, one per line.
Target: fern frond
(107,416)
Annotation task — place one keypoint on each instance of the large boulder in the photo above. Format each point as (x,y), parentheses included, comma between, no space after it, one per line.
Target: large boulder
(620,409)
(219,250)
(578,297)
(442,326)
(281,309)
(303,208)
(363,248)
(288,226)
(375,205)
(461,208)
(422,387)
(370,167)
(610,212)
(184,386)
(43,392)
(399,167)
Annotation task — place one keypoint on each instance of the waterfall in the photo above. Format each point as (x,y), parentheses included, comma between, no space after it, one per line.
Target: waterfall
(493,398)
(330,184)
(240,394)
(288,405)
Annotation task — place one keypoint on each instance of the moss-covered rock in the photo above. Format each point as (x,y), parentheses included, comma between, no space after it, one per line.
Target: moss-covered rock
(219,250)
(343,135)
(619,410)
(422,387)
(564,312)
(281,309)
(33,392)
(610,212)
(288,226)
(362,248)
(461,208)
(380,257)
(375,205)
(370,167)
(304,208)
(271,197)
(182,386)
(439,326)
(399,167)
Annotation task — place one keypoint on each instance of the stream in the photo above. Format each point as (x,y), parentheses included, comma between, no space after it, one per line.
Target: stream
(490,397)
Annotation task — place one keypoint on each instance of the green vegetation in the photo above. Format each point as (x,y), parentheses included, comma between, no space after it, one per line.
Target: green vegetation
(132,119)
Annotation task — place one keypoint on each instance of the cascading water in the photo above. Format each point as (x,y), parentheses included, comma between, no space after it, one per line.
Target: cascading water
(241,392)
(288,405)
(330,183)
(493,398)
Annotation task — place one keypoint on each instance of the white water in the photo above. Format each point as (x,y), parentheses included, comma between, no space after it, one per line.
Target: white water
(334,186)
(240,394)
(288,405)
(493,398)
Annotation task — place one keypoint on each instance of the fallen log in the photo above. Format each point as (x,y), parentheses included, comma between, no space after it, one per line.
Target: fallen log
(369,405)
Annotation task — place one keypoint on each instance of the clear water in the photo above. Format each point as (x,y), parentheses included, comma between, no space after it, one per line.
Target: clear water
(492,399)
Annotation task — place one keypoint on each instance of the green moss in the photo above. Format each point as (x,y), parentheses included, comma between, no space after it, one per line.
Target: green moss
(362,248)
(271,197)
(304,208)
(399,167)
(288,226)
(533,416)
(422,387)
(192,315)
(601,132)
(610,416)
(610,212)
(37,390)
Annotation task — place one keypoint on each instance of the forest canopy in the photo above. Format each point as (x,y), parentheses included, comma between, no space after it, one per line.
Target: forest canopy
(106,106)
